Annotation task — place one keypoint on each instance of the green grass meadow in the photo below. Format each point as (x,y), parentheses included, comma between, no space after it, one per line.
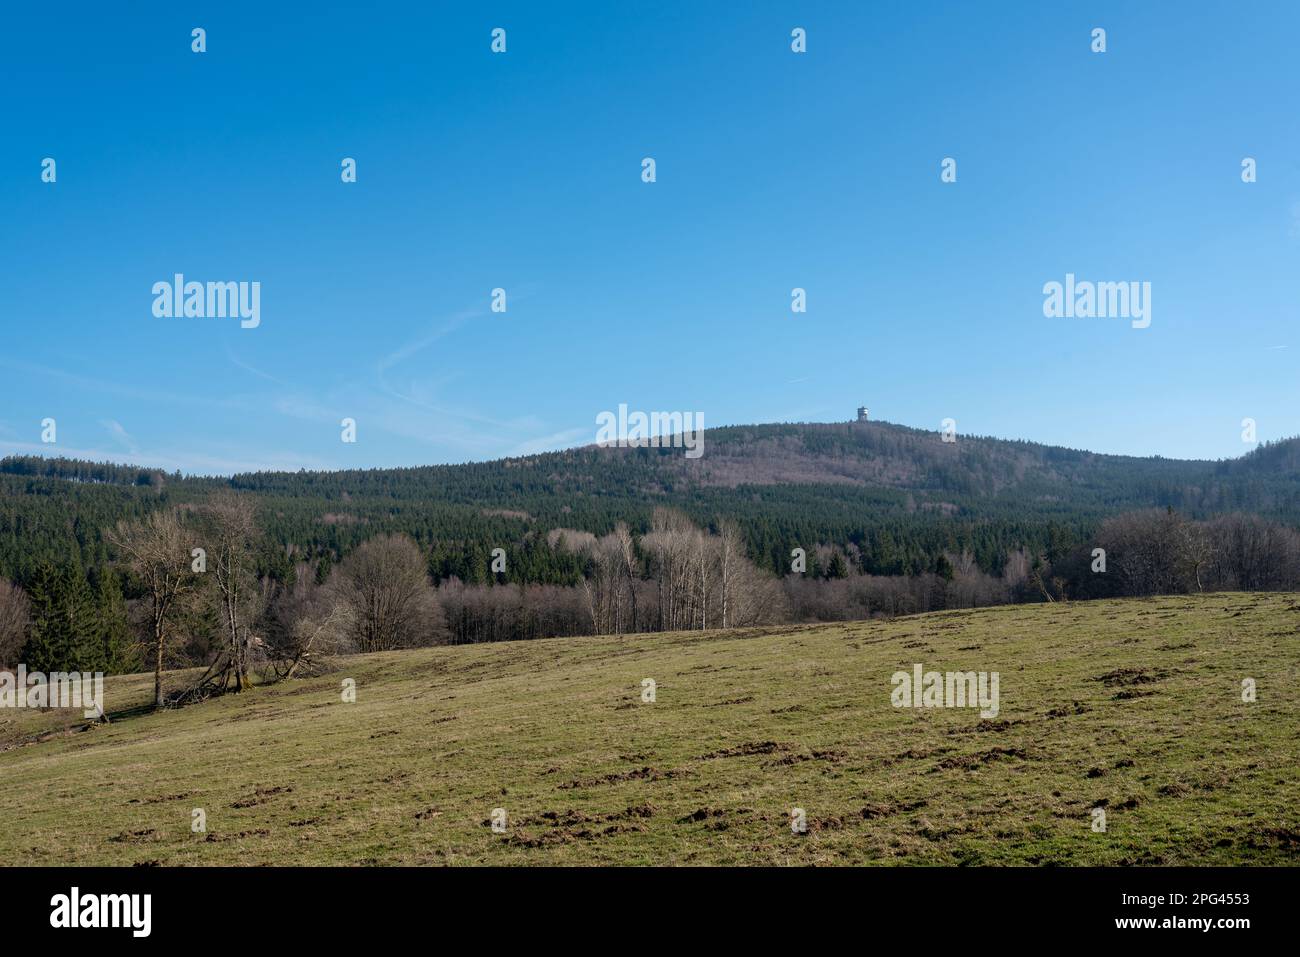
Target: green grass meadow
(1132,706)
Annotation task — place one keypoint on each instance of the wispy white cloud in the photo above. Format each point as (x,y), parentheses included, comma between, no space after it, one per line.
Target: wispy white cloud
(551,443)
(423,394)
(105,387)
(117,431)
(252,370)
(419,344)
(392,395)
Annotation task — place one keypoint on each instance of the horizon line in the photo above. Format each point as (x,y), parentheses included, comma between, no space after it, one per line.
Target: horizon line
(38,452)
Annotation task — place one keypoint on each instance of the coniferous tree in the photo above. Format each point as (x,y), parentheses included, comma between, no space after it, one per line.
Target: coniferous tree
(63,636)
(118,652)
(837,567)
(42,645)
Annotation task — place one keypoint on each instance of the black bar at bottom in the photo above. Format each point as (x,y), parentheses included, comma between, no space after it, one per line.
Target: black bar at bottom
(333,906)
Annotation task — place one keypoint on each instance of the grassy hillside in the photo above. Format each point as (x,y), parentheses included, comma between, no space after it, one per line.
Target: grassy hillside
(1131,705)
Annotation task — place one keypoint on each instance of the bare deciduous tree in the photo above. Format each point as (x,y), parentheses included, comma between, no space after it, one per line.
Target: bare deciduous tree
(15,620)
(393,604)
(731,551)
(610,590)
(626,551)
(157,551)
(1253,554)
(668,544)
(305,624)
(1194,550)
(230,530)
(1142,548)
(706,580)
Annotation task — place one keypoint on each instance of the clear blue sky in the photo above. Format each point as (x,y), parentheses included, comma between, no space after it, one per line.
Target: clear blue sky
(522,170)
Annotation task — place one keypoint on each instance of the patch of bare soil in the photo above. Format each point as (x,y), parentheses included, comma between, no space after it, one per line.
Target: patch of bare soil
(1126,677)
(970,762)
(636,774)
(261,796)
(890,808)
(745,750)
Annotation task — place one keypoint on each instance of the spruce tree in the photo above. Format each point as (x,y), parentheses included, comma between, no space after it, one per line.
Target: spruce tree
(117,650)
(42,647)
(837,567)
(79,621)
(64,630)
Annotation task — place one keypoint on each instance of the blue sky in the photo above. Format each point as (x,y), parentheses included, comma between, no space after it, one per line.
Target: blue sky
(522,171)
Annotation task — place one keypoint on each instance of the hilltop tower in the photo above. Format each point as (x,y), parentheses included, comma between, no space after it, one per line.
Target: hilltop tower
(862,413)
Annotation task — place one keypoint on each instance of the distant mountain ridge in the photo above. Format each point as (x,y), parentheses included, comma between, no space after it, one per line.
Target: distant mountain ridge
(874,455)
(861,453)
(889,489)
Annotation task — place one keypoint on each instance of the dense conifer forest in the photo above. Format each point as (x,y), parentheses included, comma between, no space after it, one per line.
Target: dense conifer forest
(888,520)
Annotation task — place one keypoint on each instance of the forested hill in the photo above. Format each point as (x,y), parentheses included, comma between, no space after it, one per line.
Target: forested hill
(900,495)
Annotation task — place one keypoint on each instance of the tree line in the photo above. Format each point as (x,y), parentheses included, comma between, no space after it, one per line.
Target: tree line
(192,586)
(900,497)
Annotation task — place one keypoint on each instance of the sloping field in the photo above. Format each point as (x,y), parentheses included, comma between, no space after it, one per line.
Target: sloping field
(1131,706)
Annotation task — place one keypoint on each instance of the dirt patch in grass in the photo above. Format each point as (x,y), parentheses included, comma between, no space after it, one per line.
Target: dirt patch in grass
(1076,707)
(565,827)
(882,809)
(572,818)
(1128,694)
(987,724)
(134,837)
(618,777)
(970,762)
(1125,677)
(163,799)
(830,755)
(261,796)
(256,832)
(745,750)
